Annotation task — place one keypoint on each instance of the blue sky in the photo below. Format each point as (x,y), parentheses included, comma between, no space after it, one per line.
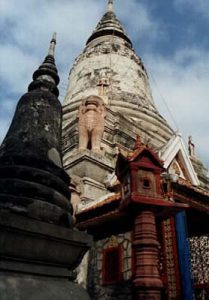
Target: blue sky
(170,36)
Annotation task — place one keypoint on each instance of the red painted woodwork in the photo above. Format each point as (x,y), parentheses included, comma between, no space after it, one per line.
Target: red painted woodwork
(112,266)
(134,170)
(145,162)
(162,258)
(171,276)
(145,202)
(147,281)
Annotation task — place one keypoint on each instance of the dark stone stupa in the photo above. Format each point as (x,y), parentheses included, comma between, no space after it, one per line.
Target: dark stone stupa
(38,247)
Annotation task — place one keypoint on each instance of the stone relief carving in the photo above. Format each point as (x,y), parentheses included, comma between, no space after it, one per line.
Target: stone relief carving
(92,113)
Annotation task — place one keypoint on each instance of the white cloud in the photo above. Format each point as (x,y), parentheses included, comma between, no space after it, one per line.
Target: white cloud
(182,81)
(137,19)
(199,6)
(16,67)
(30,25)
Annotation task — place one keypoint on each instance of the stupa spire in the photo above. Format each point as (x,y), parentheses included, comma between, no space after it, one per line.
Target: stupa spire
(33,142)
(110,6)
(46,77)
(52,45)
(109,25)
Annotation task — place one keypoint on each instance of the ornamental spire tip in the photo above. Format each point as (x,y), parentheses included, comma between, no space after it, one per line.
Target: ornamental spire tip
(52,45)
(110,6)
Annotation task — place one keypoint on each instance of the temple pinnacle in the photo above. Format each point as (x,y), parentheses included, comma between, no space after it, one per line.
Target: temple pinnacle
(110,6)
(46,76)
(52,45)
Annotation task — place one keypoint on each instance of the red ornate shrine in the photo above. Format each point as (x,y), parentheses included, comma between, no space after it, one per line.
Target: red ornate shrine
(140,175)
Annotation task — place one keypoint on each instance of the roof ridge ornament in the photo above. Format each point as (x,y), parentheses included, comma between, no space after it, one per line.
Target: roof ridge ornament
(110,6)
(52,45)
(138,142)
(191,147)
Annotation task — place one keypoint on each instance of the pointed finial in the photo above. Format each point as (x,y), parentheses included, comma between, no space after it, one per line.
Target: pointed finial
(46,76)
(52,45)
(137,143)
(110,6)
(191,147)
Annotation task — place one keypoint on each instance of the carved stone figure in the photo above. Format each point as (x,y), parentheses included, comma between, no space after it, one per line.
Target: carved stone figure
(191,147)
(92,113)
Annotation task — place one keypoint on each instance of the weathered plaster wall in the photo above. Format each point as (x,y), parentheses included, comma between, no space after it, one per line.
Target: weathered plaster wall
(128,92)
(130,107)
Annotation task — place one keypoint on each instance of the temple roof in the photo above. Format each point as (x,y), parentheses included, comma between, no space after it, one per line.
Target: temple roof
(109,25)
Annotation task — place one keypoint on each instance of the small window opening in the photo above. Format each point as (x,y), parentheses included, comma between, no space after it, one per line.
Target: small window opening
(146,183)
(111,268)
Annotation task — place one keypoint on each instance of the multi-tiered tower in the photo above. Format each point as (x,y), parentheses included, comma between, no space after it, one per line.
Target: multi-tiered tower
(109,68)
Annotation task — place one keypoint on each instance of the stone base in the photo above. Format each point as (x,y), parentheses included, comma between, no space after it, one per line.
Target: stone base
(24,287)
(91,170)
(87,163)
(92,188)
(38,259)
